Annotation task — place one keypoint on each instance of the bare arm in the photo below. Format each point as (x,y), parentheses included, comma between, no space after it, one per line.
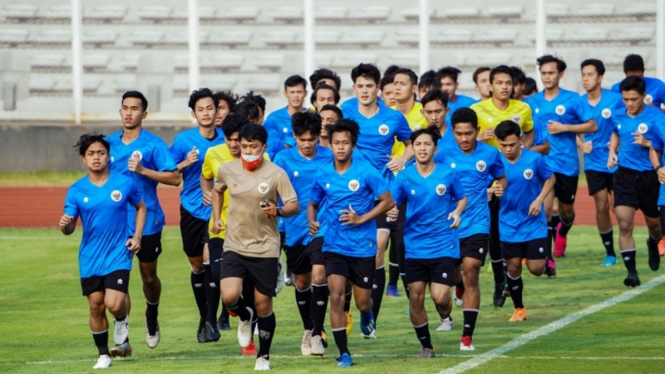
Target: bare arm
(543,149)
(67,224)
(350,217)
(206,187)
(582,128)
(528,138)
(537,205)
(312,213)
(290,208)
(171,178)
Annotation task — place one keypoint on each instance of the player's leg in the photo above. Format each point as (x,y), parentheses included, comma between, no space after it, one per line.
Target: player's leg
(361,273)
(393,266)
(297,259)
(418,316)
(499,297)
(116,286)
(319,301)
(514,253)
(565,191)
(263,272)
(649,190)
(234,272)
(379,283)
(536,258)
(347,307)
(471,303)
(337,288)
(625,216)
(99,325)
(600,185)
(151,248)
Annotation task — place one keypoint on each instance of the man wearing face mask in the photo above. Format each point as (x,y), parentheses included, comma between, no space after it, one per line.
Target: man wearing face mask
(251,247)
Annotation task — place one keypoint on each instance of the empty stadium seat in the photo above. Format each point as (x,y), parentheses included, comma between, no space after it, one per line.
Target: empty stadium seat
(553,9)
(287,14)
(505,12)
(128,62)
(13,36)
(100,37)
(54,36)
(106,13)
(457,13)
(403,60)
(362,37)
(181,62)
(409,36)
(350,60)
(331,14)
(219,82)
(95,61)
(263,85)
(19,11)
(280,38)
(488,59)
(222,61)
(323,60)
(122,84)
(326,37)
(47,61)
(495,36)
(58,12)
(238,14)
(594,10)
(40,83)
(229,38)
(273,62)
(452,36)
(370,13)
(154,12)
(146,37)
(633,34)
(413,14)
(182,37)
(207,13)
(89,83)
(590,34)
(639,9)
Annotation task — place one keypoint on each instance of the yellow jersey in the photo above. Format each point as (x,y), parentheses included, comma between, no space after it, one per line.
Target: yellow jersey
(489,116)
(416,122)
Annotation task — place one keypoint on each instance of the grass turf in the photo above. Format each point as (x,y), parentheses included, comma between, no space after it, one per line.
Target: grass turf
(44,320)
(39,178)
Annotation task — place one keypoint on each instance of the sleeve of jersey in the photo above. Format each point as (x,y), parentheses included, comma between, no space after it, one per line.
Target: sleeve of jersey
(397,189)
(71,208)
(544,170)
(457,188)
(279,161)
(220,181)
(163,158)
(403,132)
(497,169)
(176,151)
(317,193)
(528,119)
(135,195)
(285,189)
(584,112)
(656,139)
(376,183)
(206,168)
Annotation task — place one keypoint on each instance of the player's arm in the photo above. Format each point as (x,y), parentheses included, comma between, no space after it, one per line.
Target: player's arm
(655,156)
(192,158)
(543,149)
(612,158)
(218,201)
(206,187)
(290,208)
(312,213)
(528,138)
(351,217)
(555,127)
(537,204)
(141,212)
(67,224)
(171,178)
(499,186)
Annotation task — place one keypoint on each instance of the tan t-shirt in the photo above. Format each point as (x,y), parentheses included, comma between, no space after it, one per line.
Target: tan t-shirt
(248,231)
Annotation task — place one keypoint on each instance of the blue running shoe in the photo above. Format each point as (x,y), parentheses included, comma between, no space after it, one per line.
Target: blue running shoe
(367,325)
(609,261)
(392,291)
(344,360)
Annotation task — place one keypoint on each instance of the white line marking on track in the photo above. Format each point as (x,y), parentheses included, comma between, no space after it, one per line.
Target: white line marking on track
(552,327)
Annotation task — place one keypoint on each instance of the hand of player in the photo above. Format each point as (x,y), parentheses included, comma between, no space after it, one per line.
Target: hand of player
(396,163)
(207,198)
(456,219)
(134,165)
(555,127)
(490,192)
(314,228)
(639,139)
(393,213)
(192,156)
(269,209)
(217,226)
(661,175)
(587,147)
(612,160)
(133,245)
(498,189)
(486,134)
(65,220)
(535,207)
(350,217)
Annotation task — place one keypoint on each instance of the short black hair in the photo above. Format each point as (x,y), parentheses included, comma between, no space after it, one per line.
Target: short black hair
(386,80)
(449,72)
(435,95)
(228,96)
(518,74)
(633,83)
(324,86)
(136,95)
(233,123)
(301,122)
(466,115)
(600,67)
(319,74)
(248,109)
(333,108)
(391,70)
(410,73)
(86,140)
(258,99)
(295,80)
(479,71)
(501,69)
(544,59)
(432,131)
(344,125)
(633,62)
(199,94)
(368,71)
(251,132)
(429,79)
(530,86)
(507,128)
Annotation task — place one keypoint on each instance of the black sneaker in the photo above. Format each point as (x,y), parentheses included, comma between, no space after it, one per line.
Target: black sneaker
(654,256)
(632,280)
(201,333)
(212,333)
(499,295)
(223,325)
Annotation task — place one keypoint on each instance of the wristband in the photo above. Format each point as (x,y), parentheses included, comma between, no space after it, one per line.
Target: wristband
(280,212)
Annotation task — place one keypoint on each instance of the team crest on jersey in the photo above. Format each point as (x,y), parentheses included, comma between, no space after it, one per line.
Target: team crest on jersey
(264,188)
(489,119)
(517,118)
(116,195)
(137,155)
(560,110)
(528,174)
(606,113)
(295,173)
(85,199)
(441,189)
(648,99)
(481,166)
(197,152)
(354,185)
(642,128)
(417,127)
(384,129)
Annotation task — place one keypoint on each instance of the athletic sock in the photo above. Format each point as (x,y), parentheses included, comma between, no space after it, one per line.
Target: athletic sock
(239,309)
(101,341)
(393,274)
(422,332)
(565,226)
(303,299)
(470,316)
(266,332)
(652,243)
(198,288)
(406,285)
(629,259)
(224,316)
(393,266)
(340,340)
(556,219)
(515,286)
(212,295)
(377,290)
(318,306)
(497,269)
(347,301)
(608,242)
(151,313)
(551,229)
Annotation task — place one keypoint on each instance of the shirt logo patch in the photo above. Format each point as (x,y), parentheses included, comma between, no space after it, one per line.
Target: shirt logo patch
(441,189)
(444,275)
(648,99)
(327,186)
(642,128)
(489,119)
(537,110)
(417,127)
(116,196)
(606,113)
(285,130)
(354,185)
(112,158)
(119,281)
(197,152)
(481,250)
(85,199)
(517,118)
(452,166)
(295,173)
(528,174)
(137,155)
(384,129)
(560,110)
(619,126)
(541,250)
(413,192)
(481,166)
(264,188)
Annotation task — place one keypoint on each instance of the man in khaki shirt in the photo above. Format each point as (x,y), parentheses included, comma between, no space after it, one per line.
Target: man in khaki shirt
(251,248)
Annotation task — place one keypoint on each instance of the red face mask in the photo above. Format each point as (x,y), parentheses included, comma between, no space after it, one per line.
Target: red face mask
(251,162)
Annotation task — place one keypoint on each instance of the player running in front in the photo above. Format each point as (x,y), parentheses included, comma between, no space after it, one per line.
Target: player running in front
(101,200)
(434,200)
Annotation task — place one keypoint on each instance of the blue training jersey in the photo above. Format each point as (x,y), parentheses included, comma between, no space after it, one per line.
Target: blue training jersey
(301,172)
(154,155)
(655,91)
(525,182)
(566,108)
(377,136)
(429,200)
(476,171)
(278,126)
(103,212)
(191,196)
(634,156)
(658,143)
(462,102)
(355,188)
(610,104)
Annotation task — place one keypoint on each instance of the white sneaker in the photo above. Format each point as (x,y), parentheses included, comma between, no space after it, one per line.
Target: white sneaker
(121,330)
(305,344)
(281,277)
(245,330)
(262,364)
(256,330)
(152,340)
(121,351)
(316,343)
(458,302)
(446,325)
(103,362)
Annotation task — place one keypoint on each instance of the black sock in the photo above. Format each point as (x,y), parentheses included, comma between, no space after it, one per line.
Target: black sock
(102,341)
(556,219)
(318,306)
(422,332)
(515,286)
(551,229)
(239,309)
(565,226)
(303,299)
(608,242)
(151,313)
(629,259)
(347,301)
(499,275)
(393,274)
(340,340)
(212,295)
(224,316)
(652,243)
(406,286)
(198,281)
(470,316)
(393,267)
(266,332)
(378,288)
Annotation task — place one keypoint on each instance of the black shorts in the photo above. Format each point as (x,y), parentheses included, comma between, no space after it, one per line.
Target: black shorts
(382,222)
(117,280)
(597,181)
(437,270)
(638,190)
(297,259)
(475,246)
(359,270)
(565,188)
(151,248)
(535,249)
(314,250)
(194,233)
(262,271)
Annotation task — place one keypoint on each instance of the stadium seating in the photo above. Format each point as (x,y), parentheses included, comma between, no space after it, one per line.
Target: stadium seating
(228,39)
(270,62)
(332,15)
(287,14)
(57,14)
(408,36)
(99,38)
(105,13)
(19,11)
(235,14)
(283,39)
(52,37)
(370,14)
(13,37)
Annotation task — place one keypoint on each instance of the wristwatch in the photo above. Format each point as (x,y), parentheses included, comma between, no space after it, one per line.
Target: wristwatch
(280,212)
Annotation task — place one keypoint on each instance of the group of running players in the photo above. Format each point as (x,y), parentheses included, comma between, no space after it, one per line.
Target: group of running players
(440,177)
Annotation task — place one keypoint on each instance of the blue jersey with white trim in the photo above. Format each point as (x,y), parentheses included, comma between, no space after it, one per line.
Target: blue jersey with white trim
(610,104)
(634,156)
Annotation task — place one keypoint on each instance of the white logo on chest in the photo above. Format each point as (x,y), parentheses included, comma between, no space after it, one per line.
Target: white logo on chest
(560,110)
(452,166)
(481,166)
(528,174)
(85,199)
(327,186)
(263,188)
(295,173)
(137,155)
(116,195)
(384,130)
(413,192)
(441,189)
(354,185)
(642,128)
(517,118)
(648,99)
(606,113)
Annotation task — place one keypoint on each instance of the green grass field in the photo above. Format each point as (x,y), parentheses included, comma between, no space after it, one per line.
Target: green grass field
(44,320)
